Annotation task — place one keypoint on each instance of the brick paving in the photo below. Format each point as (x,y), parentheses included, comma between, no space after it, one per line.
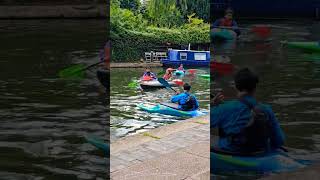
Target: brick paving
(180,151)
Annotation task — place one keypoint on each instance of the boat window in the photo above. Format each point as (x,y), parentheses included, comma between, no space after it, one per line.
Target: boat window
(183,56)
(200,56)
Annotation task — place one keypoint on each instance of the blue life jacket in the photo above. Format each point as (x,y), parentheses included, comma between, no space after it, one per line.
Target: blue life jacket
(255,137)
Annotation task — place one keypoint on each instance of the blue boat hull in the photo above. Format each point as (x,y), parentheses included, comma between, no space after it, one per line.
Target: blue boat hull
(161,109)
(271,163)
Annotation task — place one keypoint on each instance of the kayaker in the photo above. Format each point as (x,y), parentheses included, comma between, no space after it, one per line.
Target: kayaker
(245,126)
(168,75)
(180,68)
(185,100)
(148,75)
(227,22)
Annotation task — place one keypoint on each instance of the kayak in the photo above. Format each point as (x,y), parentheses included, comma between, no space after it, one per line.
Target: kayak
(167,110)
(156,84)
(223,34)
(274,162)
(221,68)
(178,73)
(205,76)
(308,46)
(99,143)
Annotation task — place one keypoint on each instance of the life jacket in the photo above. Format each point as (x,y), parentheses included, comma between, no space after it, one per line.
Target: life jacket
(255,137)
(190,104)
(148,76)
(167,76)
(226,22)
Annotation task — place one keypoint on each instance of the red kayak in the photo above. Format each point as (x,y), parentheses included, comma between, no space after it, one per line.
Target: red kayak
(221,68)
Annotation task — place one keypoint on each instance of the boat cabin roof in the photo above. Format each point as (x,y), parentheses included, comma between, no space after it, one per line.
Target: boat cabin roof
(189,50)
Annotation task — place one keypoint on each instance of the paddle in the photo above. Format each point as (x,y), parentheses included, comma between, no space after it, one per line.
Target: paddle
(99,143)
(192,71)
(133,84)
(165,84)
(76,70)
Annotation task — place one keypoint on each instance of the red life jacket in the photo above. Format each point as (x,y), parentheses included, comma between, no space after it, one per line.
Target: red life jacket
(226,22)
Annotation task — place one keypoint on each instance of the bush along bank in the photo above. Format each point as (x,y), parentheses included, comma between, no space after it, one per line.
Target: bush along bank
(134,32)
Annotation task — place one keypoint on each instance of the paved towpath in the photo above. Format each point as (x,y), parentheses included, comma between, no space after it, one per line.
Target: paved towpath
(175,151)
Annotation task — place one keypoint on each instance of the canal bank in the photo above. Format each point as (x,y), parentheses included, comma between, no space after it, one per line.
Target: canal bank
(176,151)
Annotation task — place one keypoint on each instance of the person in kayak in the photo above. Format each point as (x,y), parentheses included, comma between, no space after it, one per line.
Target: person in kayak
(185,100)
(245,126)
(180,68)
(168,75)
(148,75)
(227,22)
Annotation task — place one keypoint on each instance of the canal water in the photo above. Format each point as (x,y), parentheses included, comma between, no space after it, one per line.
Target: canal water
(289,80)
(126,119)
(44,119)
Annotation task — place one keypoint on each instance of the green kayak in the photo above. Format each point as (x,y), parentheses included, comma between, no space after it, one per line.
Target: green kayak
(204,76)
(312,46)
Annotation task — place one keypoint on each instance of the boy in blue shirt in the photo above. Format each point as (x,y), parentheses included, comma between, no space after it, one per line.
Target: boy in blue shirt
(185,100)
(245,126)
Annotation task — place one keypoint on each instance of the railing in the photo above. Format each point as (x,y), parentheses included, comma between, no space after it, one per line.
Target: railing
(154,57)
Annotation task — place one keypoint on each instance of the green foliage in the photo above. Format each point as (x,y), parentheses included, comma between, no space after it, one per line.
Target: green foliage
(164,13)
(199,7)
(134,33)
(133,5)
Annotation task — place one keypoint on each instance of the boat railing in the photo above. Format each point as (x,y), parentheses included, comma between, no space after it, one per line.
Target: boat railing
(154,57)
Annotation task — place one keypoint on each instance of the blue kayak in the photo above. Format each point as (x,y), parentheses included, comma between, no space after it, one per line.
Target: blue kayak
(163,109)
(271,163)
(178,73)
(223,34)
(98,143)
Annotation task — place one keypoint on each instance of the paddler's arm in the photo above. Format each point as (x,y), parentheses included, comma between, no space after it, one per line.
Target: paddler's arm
(216,23)
(215,116)
(216,111)
(176,98)
(235,27)
(277,135)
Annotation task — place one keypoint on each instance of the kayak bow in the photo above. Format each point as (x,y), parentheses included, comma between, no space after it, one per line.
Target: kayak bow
(162,109)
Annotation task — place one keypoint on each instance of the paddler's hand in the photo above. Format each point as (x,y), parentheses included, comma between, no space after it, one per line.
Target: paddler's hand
(178,92)
(218,99)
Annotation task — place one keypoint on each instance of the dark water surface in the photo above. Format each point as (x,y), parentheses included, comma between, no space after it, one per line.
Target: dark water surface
(289,79)
(43,119)
(126,119)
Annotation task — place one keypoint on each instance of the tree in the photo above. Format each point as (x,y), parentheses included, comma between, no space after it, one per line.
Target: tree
(133,5)
(164,13)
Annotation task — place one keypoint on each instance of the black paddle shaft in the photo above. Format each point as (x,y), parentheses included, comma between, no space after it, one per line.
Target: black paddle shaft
(165,83)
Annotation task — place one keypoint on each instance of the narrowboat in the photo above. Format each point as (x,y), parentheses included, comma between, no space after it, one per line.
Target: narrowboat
(187,58)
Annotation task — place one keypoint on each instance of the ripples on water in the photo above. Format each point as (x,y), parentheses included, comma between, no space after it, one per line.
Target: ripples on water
(43,119)
(289,81)
(127,119)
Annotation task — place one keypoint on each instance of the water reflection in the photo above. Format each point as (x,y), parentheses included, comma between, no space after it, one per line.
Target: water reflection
(43,119)
(289,81)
